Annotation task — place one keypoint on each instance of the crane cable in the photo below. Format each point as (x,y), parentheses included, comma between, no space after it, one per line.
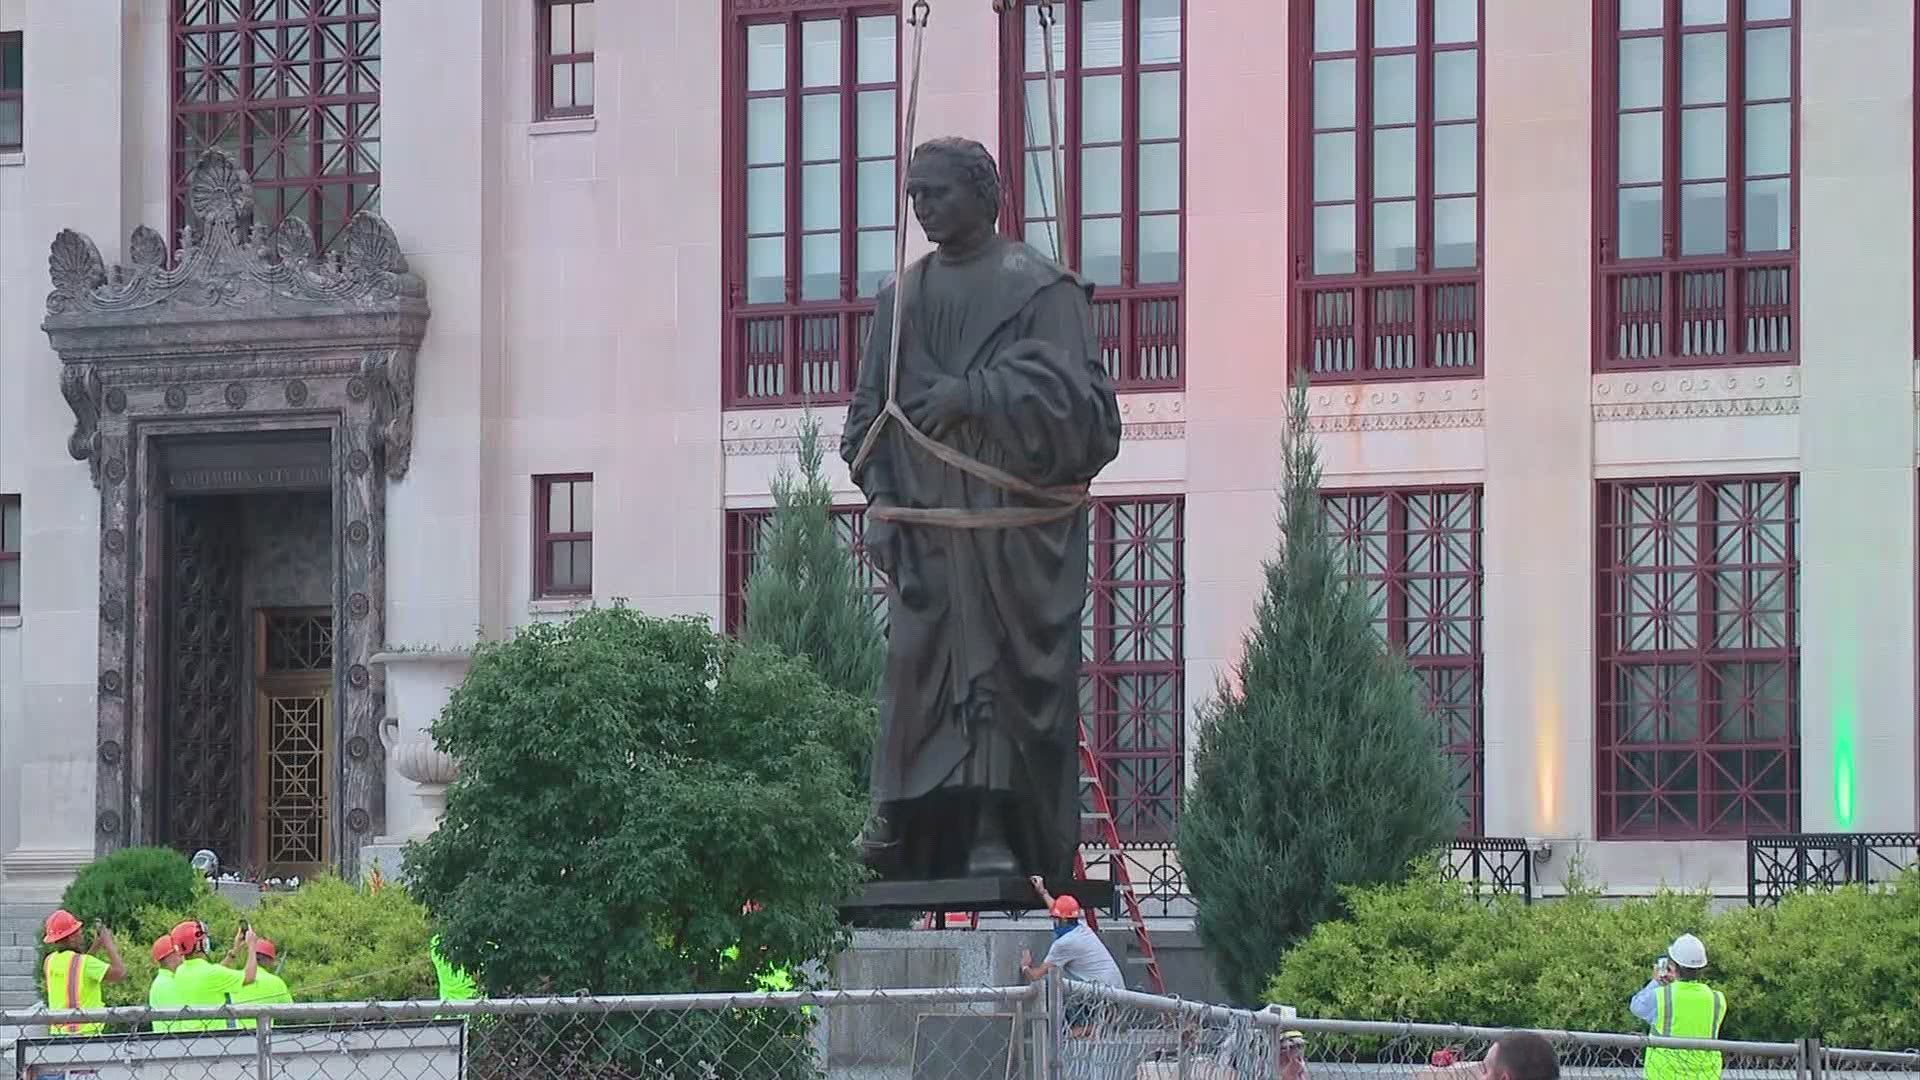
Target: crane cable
(1067,499)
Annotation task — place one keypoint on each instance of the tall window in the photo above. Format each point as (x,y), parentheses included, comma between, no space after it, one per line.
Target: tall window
(291,90)
(12,93)
(1133,661)
(1386,207)
(810,192)
(1418,553)
(563,535)
(1699,718)
(563,79)
(746,531)
(9,553)
(1696,221)
(1121,105)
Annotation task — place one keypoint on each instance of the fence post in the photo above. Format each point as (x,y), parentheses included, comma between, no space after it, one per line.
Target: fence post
(1807,1063)
(263,1048)
(1056,999)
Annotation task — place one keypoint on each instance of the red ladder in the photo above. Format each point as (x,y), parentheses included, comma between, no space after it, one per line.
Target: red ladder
(1102,813)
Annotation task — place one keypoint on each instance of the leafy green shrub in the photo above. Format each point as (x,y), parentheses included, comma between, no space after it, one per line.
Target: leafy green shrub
(1321,768)
(334,942)
(1840,965)
(112,889)
(626,785)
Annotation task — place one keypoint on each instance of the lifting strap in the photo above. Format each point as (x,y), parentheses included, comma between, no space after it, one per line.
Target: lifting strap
(1066,499)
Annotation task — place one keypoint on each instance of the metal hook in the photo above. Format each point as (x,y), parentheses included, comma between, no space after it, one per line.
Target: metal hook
(1045,11)
(922,11)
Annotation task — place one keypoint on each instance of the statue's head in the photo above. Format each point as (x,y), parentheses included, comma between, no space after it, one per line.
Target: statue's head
(955,189)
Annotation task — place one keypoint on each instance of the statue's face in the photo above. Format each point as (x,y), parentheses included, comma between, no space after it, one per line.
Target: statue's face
(943,200)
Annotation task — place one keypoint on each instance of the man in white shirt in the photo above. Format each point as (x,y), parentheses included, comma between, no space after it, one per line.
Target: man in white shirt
(1077,952)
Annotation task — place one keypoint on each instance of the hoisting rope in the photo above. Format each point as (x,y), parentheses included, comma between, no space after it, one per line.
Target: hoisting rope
(1068,499)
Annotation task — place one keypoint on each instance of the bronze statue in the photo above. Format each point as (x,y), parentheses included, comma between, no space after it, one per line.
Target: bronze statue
(977,515)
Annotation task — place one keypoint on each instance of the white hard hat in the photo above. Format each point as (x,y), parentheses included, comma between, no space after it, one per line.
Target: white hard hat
(1687,952)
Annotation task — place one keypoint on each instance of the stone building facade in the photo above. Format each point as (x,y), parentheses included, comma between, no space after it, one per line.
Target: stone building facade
(379,328)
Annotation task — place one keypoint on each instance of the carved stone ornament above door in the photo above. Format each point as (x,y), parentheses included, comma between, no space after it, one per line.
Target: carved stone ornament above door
(239,332)
(232,292)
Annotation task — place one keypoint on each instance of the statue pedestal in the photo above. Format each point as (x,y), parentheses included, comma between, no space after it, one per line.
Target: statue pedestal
(974,894)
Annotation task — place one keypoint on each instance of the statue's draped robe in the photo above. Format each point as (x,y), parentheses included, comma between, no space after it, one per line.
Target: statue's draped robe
(981,692)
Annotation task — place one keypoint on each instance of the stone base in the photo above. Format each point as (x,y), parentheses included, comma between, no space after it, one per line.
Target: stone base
(974,894)
(386,853)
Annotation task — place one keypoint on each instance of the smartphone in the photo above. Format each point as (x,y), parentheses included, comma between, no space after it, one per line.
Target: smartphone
(1661,967)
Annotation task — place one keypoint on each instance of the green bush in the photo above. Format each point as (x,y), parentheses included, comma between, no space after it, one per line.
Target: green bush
(114,888)
(1320,769)
(1843,966)
(334,942)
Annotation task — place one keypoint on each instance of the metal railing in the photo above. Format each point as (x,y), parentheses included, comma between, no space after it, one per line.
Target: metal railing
(1491,866)
(1778,865)
(1053,1030)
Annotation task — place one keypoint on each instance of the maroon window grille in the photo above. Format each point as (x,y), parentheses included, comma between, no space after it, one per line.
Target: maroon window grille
(13,83)
(291,90)
(1133,661)
(810,140)
(563,80)
(9,553)
(1699,639)
(746,530)
(563,535)
(1695,214)
(1386,188)
(1417,553)
(1120,221)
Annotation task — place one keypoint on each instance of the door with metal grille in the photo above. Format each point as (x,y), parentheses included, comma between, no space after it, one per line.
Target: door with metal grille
(293,679)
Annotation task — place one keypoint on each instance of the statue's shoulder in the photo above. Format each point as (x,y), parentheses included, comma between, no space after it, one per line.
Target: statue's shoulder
(1022,259)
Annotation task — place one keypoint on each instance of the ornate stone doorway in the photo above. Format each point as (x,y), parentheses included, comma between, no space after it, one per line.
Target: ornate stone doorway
(249,338)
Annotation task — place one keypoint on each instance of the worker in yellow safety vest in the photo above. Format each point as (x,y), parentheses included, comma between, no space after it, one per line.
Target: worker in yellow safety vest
(267,988)
(455,983)
(201,982)
(73,976)
(1676,1004)
(162,994)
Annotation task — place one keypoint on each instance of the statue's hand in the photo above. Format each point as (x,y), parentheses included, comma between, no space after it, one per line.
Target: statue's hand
(882,542)
(941,407)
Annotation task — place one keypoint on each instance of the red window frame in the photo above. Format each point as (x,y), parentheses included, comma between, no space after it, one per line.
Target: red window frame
(1675,309)
(10,550)
(1139,324)
(13,88)
(548,62)
(283,76)
(545,536)
(794,350)
(743,544)
(1699,637)
(1133,669)
(1370,324)
(1418,552)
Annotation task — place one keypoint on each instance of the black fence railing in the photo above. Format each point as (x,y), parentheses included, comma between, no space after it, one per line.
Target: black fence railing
(1493,865)
(1778,865)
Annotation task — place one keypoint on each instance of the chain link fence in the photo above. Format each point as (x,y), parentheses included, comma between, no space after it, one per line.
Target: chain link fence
(1047,1031)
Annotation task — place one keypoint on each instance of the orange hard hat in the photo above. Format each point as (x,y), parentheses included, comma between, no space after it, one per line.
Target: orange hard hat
(263,947)
(186,937)
(164,947)
(61,925)
(1065,907)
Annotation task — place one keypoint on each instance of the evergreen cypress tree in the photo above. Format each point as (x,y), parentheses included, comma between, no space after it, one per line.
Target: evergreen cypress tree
(1321,768)
(804,595)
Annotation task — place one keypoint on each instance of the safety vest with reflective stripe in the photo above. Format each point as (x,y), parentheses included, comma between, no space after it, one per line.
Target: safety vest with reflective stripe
(69,988)
(1686,1010)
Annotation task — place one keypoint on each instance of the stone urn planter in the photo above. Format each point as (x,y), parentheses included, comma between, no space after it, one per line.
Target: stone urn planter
(418,686)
